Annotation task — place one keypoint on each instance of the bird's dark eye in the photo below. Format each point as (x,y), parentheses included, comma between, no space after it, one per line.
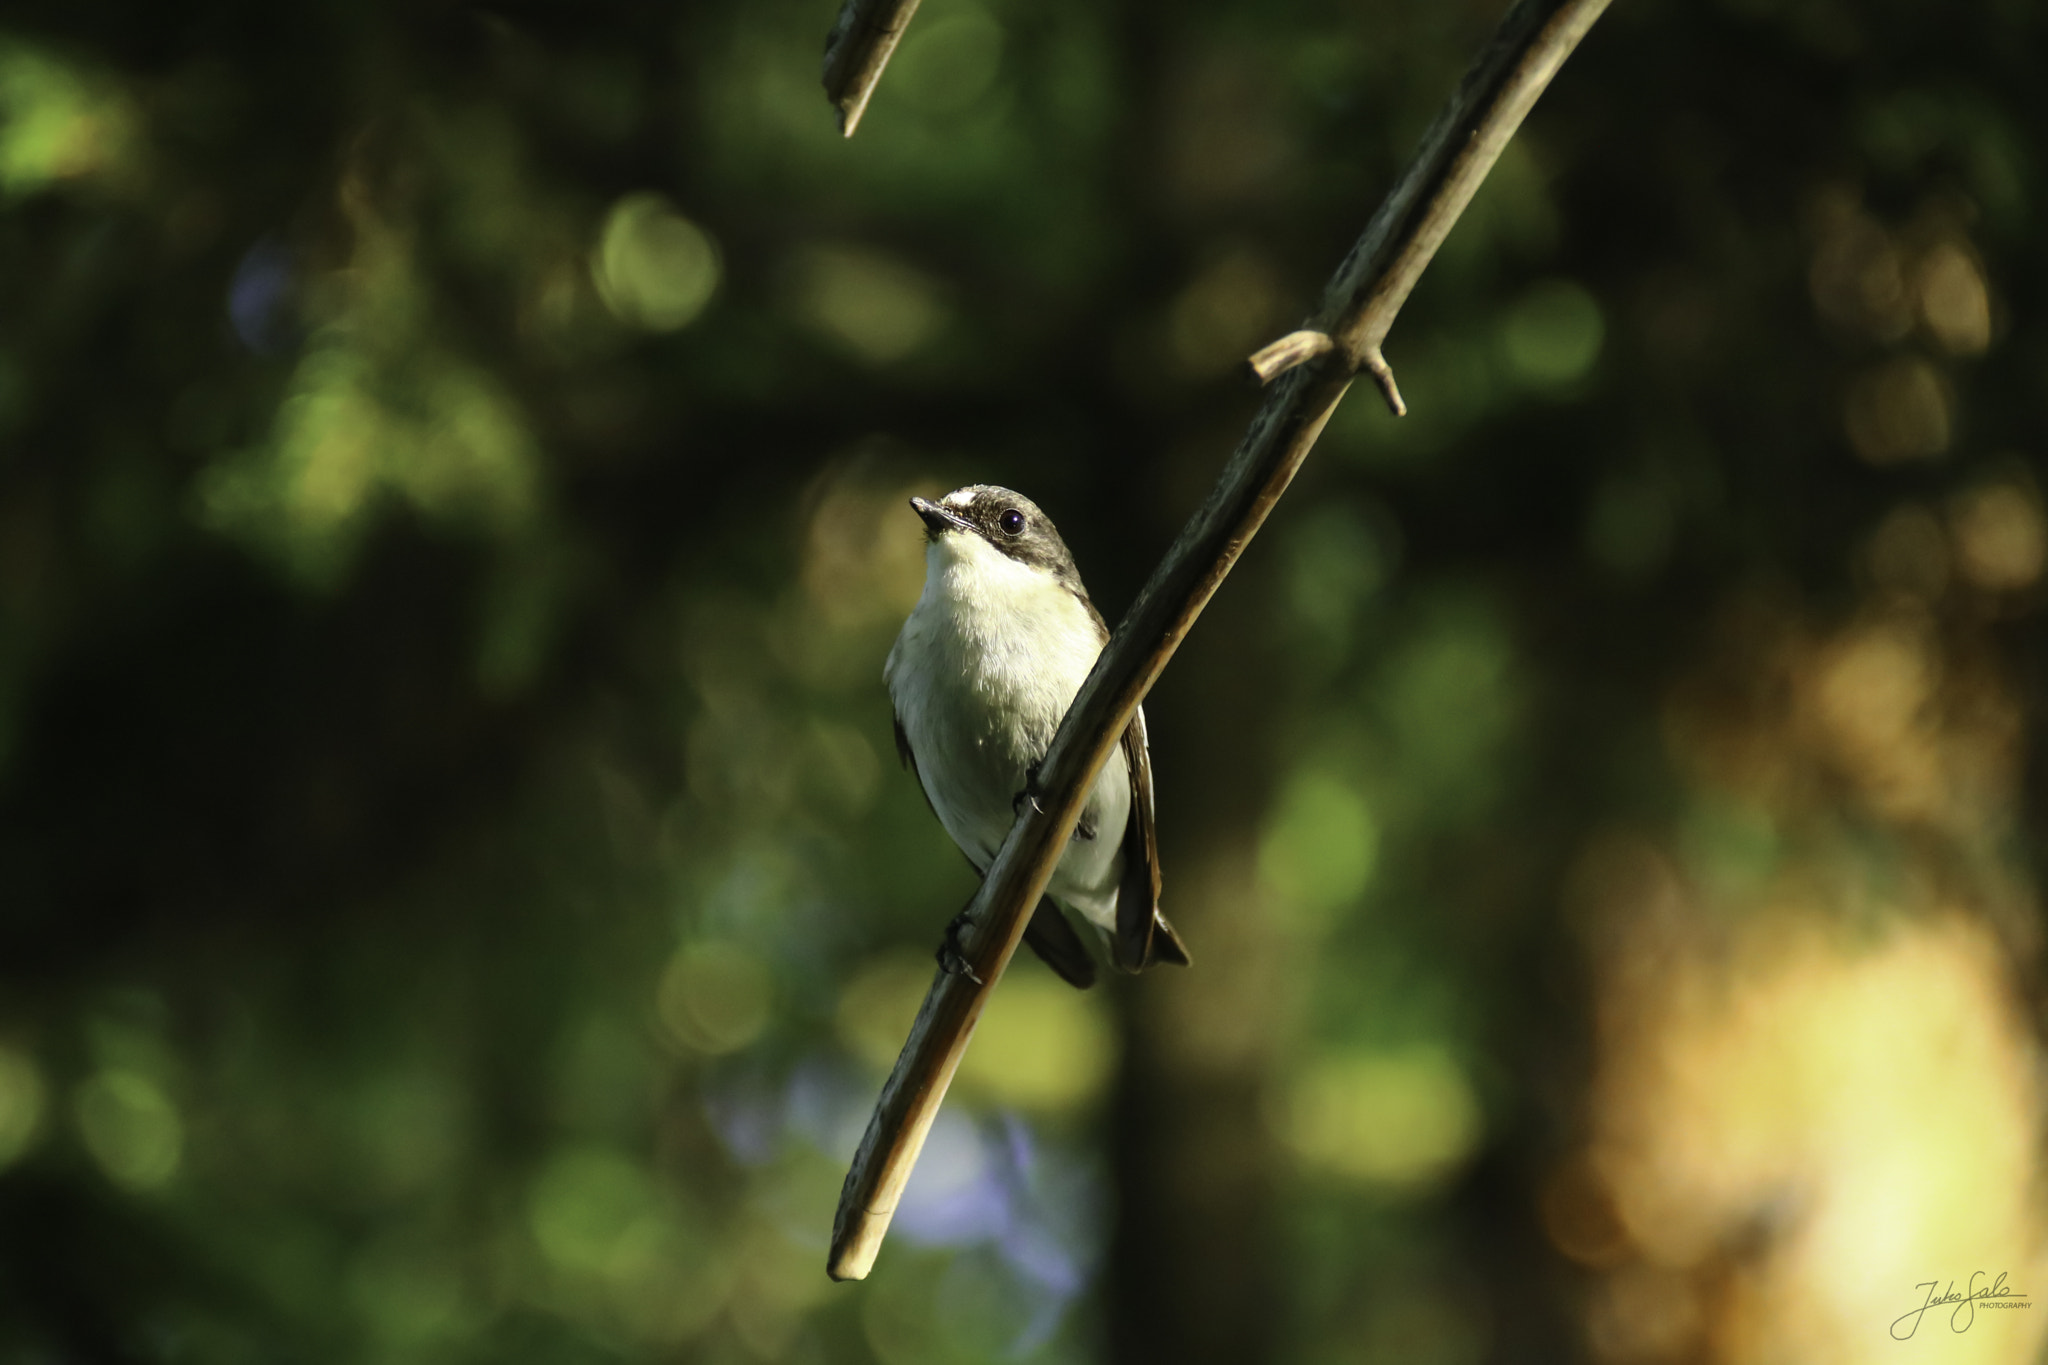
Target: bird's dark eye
(1011,521)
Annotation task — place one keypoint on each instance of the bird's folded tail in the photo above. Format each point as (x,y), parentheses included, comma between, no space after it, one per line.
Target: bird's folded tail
(1135,947)
(1166,944)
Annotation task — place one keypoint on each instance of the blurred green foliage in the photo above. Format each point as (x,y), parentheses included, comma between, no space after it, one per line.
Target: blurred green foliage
(457,900)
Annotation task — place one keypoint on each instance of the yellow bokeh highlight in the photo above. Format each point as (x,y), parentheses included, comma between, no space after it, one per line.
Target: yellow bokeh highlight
(654,268)
(2001,542)
(1898,410)
(775,1284)
(585,1206)
(623,1249)
(410,1291)
(1859,275)
(21,1104)
(377,408)
(1954,301)
(1908,554)
(1224,313)
(625,1253)
(947,66)
(1553,334)
(714,997)
(1398,1117)
(1860,1116)
(131,1128)
(1040,1044)
(874,306)
(863,562)
(58,124)
(1319,847)
(879,1004)
(447,441)
(1872,695)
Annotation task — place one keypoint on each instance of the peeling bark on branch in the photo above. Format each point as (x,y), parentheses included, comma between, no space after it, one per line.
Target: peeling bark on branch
(1310,371)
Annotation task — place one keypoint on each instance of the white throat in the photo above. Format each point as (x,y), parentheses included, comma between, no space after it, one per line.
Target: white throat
(1002,636)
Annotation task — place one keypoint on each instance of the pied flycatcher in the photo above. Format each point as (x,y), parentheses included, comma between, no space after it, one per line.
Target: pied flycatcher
(981,677)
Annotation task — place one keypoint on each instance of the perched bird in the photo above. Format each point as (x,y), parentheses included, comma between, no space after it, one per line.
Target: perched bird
(981,676)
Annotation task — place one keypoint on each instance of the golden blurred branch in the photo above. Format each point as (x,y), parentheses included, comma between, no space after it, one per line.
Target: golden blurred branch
(1312,374)
(862,39)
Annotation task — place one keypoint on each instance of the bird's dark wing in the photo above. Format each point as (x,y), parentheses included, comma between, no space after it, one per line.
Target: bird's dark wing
(1048,933)
(1142,934)
(1056,943)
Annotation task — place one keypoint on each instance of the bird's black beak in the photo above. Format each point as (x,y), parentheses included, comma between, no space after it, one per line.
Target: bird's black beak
(938,519)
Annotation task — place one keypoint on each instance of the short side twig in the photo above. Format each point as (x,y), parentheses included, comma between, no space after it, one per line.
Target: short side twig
(1276,358)
(1365,295)
(1359,306)
(862,39)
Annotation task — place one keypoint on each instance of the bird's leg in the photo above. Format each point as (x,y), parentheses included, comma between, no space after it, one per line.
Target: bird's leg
(1030,792)
(952,958)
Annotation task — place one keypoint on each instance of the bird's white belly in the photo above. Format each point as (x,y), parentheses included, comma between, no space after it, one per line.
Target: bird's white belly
(975,792)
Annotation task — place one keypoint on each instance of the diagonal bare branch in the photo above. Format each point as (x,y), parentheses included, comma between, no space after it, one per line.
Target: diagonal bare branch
(862,39)
(1310,374)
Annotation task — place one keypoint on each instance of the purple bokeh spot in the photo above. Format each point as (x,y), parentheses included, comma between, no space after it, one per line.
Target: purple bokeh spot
(748,1120)
(826,1107)
(1047,1313)
(977,1183)
(956,1195)
(1022,1145)
(257,296)
(1035,1253)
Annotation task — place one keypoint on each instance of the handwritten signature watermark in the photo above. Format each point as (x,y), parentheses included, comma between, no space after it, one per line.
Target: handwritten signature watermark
(1990,1294)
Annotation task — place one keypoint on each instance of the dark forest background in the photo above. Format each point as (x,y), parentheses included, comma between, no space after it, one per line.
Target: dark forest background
(457,896)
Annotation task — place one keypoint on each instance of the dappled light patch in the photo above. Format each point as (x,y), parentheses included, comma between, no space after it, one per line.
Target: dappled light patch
(655,269)
(1878,283)
(947,67)
(863,554)
(879,309)
(1317,855)
(1907,555)
(1393,1119)
(714,997)
(1223,314)
(62,123)
(1954,301)
(1794,1125)
(1041,1046)
(377,410)
(1916,729)
(1552,335)
(22,1099)
(1898,410)
(131,1128)
(2001,540)
(409,1287)
(622,1250)
(1815,1087)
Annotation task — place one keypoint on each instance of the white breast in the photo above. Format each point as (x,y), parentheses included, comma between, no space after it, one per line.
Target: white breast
(981,676)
